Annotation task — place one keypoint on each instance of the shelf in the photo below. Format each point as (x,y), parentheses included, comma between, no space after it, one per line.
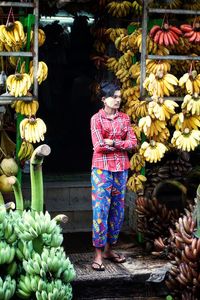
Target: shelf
(174,11)
(4,100)
(21,53)
(16,4)
(173,57)
(177,99)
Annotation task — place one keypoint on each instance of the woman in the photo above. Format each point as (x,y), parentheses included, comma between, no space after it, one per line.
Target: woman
(112,137)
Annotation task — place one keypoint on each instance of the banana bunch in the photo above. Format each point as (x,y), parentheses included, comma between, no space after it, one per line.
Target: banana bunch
(134,70)
(138,108)
(160,84)
(7,287)
(25,108)
(25,151)
(167,3)
(152,47)
(131,93)
(24,250)
(51,261)
(153,151)
(54,290)
(122,74)
(42,71)
(191,104)
(126,60)
(32,130)
(137,131)
(121,43)
(18,84)
(137,162)
(112,64)
(113,33)
(27,285)
(186,140)
(162,109)
(99,46)
(151,127)
(191,82)
(132,39)
(119,9)
(136,183)
(154,66)
(162,136)
(194,5)
(183,275)
(7,253)
(127,84)
(184,120)
(137,7)
(8,229)
(41,37)
(12,36)
(30,227)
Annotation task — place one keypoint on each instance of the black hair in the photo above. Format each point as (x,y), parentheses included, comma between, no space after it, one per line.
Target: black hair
(107,89)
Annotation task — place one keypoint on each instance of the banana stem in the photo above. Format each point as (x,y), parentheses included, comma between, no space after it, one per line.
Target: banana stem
(17,192)
(61,218)
(37,189)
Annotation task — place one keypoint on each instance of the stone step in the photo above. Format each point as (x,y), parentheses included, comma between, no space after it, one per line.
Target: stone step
(140,277)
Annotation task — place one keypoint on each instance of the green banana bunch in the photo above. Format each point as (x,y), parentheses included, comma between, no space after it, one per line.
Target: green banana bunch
(52,262)
(27,285)
(54,290)
(7,288)
(30,226)
(7,253)
(24,250)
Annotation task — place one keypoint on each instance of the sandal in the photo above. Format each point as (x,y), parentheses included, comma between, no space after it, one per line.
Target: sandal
(99,267)
(117,258)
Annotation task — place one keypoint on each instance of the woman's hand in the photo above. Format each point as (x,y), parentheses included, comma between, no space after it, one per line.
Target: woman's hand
(109,142)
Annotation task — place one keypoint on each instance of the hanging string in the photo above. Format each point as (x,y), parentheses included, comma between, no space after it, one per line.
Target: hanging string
(10,14)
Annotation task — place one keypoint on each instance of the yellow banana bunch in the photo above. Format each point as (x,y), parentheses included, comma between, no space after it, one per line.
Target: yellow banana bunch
(186,140)
(41,37)
(184,120)
(152,47)
(137,131)
(121,43)
(151,127)
(112,64)
(137,7)
(191,103)
(125,60)
(162,136)
(12,35)
(18,84)
(162,109)
(25,151)
(132,39)
(122,74)
(191,82)
(160,84)
(137,162)
(135,183)
(28,108)
(42,71)
(135,70)
(131,93)
(32,130)
(113,33)
(119,9)
(154,66)
(167,4)
(127,84)
(153,151)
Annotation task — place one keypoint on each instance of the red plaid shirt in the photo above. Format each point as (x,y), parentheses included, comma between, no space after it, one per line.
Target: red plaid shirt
(119,129)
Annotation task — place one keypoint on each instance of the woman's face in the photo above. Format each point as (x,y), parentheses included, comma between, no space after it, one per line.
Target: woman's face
(114,101)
